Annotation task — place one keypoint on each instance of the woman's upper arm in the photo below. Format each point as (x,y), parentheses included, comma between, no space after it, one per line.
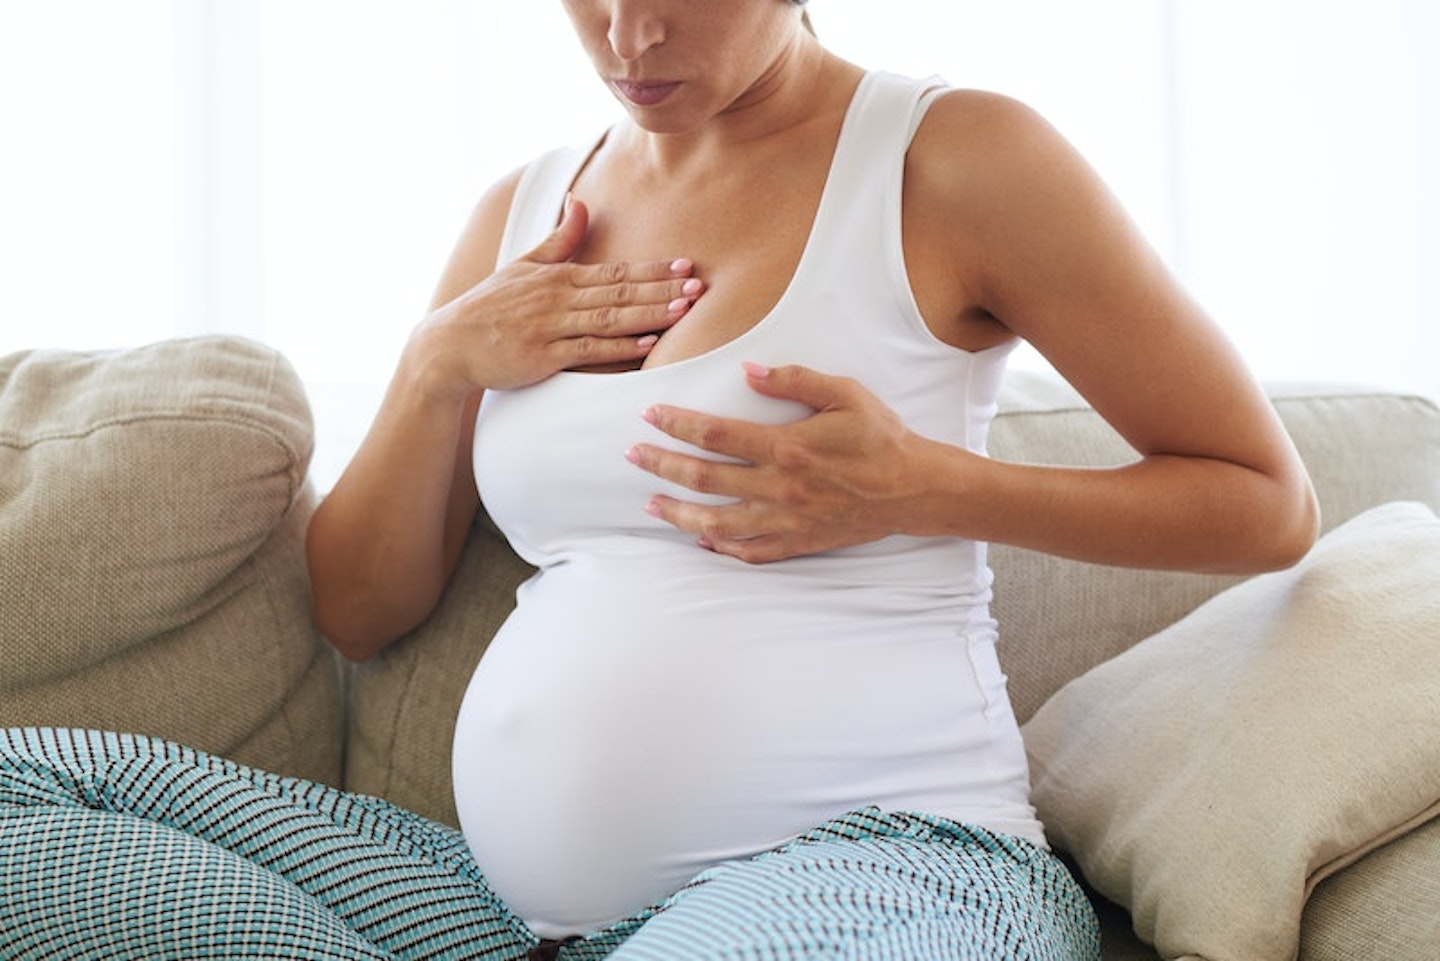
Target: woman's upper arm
(1041,244)
(1021,237)
(385,540)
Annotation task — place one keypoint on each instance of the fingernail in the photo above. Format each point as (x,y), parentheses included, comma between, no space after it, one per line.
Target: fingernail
(633,455)
(705,543)
(646,342)
(678,304)
(691,287)
(648,416)
(681,266)
(758,371)
(652,508)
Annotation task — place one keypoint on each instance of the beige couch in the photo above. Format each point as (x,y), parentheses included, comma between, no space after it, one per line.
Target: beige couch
(152,513)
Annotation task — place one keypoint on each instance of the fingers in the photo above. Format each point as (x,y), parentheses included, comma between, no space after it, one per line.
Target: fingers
(787,489)
(730,530)
(747,528)
(699,474)
(809,387)
(632,299)
(620,298)
(632,306)
(565,239)
(630,272)
(724,530)
(627,293)
(600,354)
(600,326)
(725,436)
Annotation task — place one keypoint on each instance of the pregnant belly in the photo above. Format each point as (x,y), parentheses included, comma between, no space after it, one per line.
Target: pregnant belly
(614,743)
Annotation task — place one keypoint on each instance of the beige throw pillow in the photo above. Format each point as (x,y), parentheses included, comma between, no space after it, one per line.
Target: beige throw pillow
(153,504)
(1212,775)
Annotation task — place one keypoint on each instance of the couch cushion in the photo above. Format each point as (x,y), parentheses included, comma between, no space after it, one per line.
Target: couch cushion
(153,506)
(1211,776)
(1386,905)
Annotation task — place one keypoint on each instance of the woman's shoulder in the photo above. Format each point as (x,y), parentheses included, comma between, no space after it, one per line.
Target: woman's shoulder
(983,150)
(982,127)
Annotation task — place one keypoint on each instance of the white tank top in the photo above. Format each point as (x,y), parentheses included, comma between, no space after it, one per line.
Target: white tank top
(651,708)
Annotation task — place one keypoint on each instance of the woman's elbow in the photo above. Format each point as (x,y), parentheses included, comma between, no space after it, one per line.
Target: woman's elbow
(347,635)
(1290,523)
(356,617)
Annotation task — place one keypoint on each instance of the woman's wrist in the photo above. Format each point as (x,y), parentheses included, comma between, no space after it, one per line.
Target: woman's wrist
(430,371)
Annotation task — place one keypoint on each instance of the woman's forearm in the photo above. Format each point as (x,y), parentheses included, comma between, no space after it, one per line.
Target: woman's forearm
(1162,511)
(852,472)
(385,540)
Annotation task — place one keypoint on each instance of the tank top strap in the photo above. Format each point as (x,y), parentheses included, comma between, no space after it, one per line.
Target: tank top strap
(856,237)
(885,113)
(536,207)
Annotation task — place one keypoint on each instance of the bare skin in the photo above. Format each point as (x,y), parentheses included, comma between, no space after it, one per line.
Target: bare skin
(384,542)
(1007,233)
(1019,239)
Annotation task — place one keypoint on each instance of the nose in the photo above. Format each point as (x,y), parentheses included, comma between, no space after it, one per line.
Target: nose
(634,29)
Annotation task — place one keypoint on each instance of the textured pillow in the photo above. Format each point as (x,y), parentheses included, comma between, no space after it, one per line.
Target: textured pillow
(152,579)
(1210,777)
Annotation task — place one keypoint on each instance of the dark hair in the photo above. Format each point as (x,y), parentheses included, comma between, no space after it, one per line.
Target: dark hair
(804,17)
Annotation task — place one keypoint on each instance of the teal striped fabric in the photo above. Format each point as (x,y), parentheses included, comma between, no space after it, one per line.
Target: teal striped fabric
(872,886)
(124,847)
(121,847)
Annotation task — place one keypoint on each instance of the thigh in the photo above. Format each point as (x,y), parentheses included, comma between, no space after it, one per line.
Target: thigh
(83,884)
(968,898)
(138,839)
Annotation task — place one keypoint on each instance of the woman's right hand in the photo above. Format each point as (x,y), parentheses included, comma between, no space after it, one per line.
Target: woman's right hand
(383,543)
(541,314)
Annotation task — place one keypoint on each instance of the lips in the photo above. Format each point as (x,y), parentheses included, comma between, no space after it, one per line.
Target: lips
(645,93)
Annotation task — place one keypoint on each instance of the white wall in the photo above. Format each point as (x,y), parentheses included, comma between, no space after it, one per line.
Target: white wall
(87,164)
(1310,183)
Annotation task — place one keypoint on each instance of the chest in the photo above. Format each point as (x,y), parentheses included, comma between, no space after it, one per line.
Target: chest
(746,229)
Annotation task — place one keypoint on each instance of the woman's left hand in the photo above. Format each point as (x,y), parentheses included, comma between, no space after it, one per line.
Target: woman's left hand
(836,478)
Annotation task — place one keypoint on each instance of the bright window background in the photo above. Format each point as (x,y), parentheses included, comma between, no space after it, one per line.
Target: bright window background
(296,170)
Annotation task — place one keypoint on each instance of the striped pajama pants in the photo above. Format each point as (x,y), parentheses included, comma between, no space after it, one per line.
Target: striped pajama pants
(124,847)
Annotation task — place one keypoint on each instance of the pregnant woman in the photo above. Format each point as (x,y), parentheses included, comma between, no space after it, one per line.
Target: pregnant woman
(751,477)
(724,375)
